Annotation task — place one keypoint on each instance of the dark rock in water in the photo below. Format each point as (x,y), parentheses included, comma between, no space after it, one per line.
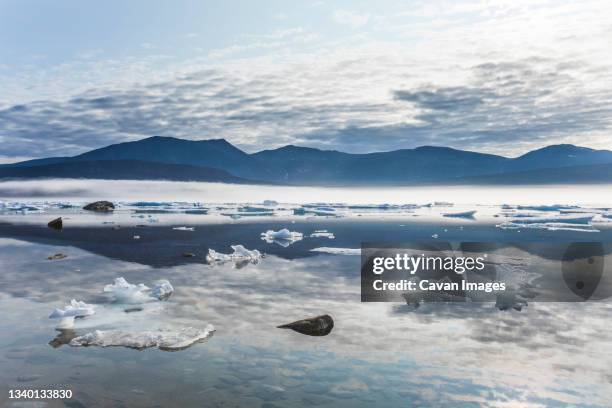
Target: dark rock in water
(314,326)
(102,206)
(56,224)
(188,254)
(57,256)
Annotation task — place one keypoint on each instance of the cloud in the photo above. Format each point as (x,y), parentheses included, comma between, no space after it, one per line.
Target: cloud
(509,81)
(351,18)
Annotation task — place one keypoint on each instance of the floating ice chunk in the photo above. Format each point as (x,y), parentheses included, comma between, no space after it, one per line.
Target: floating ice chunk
(435,236)
(318,211)
(69,312)
(463,214)
(322,234)
(283,237)
(252,209)
(240,254)
(270,203)
(554,207)
(184,228)
(163,339)
(162,290)
(136,236)
(125,292)
(565,219)
(443,204)
(338,251)
(550,226)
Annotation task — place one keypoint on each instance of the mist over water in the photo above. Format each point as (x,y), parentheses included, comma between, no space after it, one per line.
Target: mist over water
(132,190)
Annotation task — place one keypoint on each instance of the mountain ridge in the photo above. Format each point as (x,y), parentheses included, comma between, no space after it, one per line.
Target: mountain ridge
(299,165)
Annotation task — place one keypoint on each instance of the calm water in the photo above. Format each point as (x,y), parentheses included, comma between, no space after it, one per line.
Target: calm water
(84,190)
(549,354)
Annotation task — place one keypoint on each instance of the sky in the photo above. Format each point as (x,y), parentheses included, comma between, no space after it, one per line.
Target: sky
(501,77)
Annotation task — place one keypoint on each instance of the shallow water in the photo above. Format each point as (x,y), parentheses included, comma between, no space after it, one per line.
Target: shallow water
(378,354)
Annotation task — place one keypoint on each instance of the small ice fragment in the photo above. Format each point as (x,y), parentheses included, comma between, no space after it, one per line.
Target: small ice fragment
(162,290)
(463,214)
(69,312)
(163,339)
(338,251)
(283,237)
(565,219)
(435,236)
(240,254)
(136,236)
(270,203)
(183,229)
(322,234)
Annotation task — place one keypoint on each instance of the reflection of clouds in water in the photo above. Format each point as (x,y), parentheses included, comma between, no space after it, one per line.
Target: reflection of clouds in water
(471,352)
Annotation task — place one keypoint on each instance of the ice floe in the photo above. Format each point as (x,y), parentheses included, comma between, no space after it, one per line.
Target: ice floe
(69,312)
(240,254)
(283,237)
(463,214)
(124,292)
(163,339)
(162,290)
(338,251)
(184,228)
(322,234)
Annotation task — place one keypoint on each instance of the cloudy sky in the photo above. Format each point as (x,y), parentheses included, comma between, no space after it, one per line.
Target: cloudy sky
(494,76)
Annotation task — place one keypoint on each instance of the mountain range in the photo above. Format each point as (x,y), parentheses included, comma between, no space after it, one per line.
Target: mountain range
(217,160)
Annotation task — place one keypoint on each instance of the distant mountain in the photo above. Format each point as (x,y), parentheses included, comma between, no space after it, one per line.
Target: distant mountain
(309,166)
(563,155)
(122,170)
(593,174)
(301,165)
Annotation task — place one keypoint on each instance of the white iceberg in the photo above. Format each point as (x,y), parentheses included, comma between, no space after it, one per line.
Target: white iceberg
(322,234)
(162,290)
(69,312)
(125,292)
(338,251)
(184,228)
(240,254)
(163,339)
(282,237)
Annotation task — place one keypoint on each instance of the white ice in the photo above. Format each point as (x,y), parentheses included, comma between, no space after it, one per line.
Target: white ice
(164,339)
(283,237)
(322,234)
(162,290)
(565,219)
(550,226)
(338,251)
(183,229)
(69,312)
(125,292)
(240,254)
